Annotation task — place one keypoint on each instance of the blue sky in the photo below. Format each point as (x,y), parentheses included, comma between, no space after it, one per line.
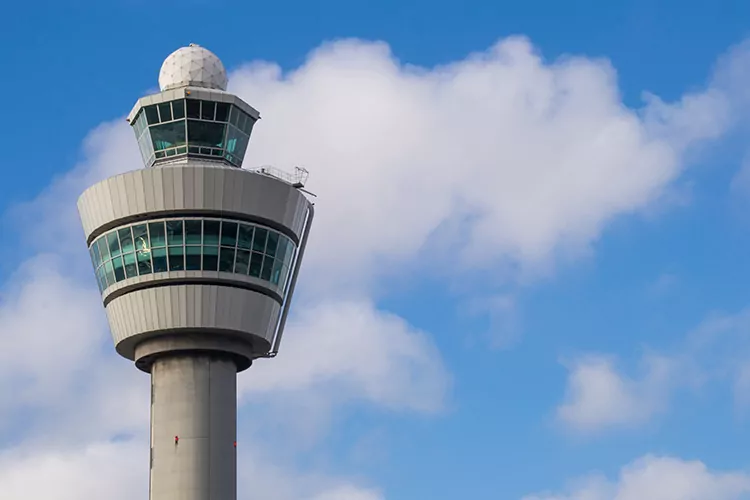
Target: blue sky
(530,280)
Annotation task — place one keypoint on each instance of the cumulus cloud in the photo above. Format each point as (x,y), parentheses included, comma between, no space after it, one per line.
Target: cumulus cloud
(119,471)
(501,160)
(366,353)
(599,396)
(659,478)
(501,157)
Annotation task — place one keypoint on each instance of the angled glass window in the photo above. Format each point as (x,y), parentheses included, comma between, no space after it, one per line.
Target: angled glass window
(152,114)
(174,232)
(272,243)
(157,233)
(193,108)
(259,242)
(159,260)
(131,269)
(113,243)
(140,237)
(228,233)
(103,248)
(165,112)
(226,259)
(256,264)
(193,258)
(208,109)
(126,240)
(176,258)
(119,268)
(193,232)
(210,258)
(144,262)
(168,135)
(178,109)
(209,244)
(211,232)
(242,264)
(245,237)
(206,134)
(222,111)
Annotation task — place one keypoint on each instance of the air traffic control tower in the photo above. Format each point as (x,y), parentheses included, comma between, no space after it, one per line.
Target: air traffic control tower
(196,259)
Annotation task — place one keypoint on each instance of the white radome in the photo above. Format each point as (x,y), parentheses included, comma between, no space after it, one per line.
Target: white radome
(192,66)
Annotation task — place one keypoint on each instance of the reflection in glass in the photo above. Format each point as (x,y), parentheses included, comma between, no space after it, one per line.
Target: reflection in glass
(273,243)
(119,269)
(207,110)
(193,108)
(193,232)
(158,236)
(229,233)
(114,244)
(152,115)
(140,237)
(144,262)
(225,246)
(178,109)
(245,239)
(211,232)
(243,262)
(222,111)
(131,270)
(226,259)
(206,134)
(259,242)
(168,135)
(174,232)
(160,260)
(176,259)
(210,258)
(193,258)
(109,273)
(256,263)
(165,112)
(126,240)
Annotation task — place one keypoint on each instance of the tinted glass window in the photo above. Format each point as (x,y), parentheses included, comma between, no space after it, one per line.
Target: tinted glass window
(222,111)
(178,109)
(218,245)
(207,110)
(165,112)
(206,134)
(211,232)
(168,135)
(193,108)
(152,115)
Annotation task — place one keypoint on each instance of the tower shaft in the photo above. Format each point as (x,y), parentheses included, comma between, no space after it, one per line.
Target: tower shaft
(193,427)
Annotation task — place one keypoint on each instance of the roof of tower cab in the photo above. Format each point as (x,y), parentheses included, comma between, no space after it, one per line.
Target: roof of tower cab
(193,115)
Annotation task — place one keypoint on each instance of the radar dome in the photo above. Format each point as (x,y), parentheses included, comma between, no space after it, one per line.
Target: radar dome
(192,66)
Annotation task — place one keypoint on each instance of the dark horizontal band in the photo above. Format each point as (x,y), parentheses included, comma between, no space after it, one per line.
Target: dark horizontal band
(192,281)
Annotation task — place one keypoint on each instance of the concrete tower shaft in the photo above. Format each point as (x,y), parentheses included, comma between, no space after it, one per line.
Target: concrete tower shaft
(196,260)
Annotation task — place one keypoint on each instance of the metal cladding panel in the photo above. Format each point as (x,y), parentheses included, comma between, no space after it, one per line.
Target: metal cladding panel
(149,312)
(191,187)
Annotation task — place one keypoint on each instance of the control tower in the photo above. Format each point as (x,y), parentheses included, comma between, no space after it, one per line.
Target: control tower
(196,260)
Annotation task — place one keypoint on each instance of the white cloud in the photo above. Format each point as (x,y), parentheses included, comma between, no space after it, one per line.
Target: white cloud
(516,159)
(499,159)
(119,471)
(659,478)
(598,396)
(363,352)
